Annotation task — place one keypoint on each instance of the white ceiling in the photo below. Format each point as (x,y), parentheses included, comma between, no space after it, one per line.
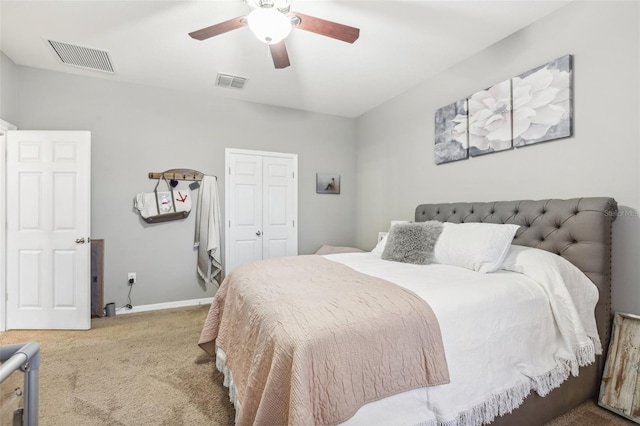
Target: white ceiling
(401,44)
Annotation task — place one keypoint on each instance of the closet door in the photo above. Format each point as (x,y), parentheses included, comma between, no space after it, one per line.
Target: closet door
(279,236)
(260,206)
(244,218)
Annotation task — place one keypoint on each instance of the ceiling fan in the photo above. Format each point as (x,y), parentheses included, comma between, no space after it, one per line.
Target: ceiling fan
(272,20)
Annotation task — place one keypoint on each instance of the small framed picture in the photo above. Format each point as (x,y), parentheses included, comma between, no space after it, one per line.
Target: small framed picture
(327,183)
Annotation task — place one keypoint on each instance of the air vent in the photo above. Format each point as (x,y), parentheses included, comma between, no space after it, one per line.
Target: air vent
(230,81)
(83,57)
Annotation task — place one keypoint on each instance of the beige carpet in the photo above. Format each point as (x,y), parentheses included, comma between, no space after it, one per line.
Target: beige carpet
(137,369)
(590,414)
(146,369)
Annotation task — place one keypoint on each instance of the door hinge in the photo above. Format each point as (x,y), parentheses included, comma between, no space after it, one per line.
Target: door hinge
(294,223)
(229,171)
(293,175)
(229,223)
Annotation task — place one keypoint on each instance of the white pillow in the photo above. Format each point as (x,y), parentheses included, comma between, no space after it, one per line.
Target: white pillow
(480,247)
(379,248)
(397,222)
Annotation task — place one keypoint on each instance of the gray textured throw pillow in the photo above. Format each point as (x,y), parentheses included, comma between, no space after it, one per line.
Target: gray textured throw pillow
(412,242)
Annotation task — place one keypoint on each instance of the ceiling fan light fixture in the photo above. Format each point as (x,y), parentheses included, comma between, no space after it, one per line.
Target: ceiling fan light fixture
(269,25)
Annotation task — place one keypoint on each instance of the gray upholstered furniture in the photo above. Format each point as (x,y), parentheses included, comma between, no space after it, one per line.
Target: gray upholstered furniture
(579,230)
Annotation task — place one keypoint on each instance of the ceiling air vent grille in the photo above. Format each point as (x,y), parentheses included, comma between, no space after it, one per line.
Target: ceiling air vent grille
(230,81)
(83,57)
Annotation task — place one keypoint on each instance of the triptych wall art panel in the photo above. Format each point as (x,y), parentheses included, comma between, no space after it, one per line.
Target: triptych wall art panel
(490,119)
(451,135)
(535,106)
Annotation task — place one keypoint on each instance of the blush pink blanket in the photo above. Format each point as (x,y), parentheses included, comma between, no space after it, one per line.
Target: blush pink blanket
(309,341)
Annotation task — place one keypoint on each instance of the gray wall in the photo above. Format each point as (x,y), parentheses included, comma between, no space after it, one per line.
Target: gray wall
(8,90)
(137,129)
(395,141)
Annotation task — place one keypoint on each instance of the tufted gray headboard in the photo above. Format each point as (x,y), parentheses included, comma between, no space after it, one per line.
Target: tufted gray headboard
(578,229)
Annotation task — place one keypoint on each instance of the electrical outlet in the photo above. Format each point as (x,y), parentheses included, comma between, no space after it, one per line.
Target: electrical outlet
(132,277)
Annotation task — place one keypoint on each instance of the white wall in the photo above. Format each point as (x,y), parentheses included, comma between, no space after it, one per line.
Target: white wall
(8,90)
(137,129)
(8,120)
(395,164)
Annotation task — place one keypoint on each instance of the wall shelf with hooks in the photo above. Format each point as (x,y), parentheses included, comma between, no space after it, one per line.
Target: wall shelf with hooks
(178,174)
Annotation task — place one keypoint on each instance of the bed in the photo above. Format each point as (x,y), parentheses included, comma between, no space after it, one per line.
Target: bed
(578,230)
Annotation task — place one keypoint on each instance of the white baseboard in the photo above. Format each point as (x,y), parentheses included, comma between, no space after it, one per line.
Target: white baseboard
(166,305)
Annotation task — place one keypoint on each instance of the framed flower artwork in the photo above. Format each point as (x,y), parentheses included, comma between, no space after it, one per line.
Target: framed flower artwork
(542,103)
(536,106)
(490,119)
(451,136)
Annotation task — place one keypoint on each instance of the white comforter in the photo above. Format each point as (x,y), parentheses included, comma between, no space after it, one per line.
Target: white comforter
(505,334)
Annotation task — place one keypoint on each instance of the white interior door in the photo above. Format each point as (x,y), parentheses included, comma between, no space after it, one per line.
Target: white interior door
(48,225)
(244,221)
(260,206)
(278,223)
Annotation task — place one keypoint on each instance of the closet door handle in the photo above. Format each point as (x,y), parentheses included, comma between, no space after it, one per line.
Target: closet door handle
(80,240)
(258,233)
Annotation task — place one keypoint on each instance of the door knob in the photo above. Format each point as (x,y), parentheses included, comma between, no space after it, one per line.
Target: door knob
(80,240)
(258,233)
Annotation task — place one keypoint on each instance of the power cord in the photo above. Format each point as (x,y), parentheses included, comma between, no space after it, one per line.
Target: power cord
(128,305)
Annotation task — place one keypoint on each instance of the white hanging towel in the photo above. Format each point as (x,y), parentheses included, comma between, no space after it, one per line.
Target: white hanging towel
(207,237)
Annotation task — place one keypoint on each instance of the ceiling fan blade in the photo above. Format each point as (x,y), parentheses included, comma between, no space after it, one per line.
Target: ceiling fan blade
(220,28)
(327,28)
(279,55)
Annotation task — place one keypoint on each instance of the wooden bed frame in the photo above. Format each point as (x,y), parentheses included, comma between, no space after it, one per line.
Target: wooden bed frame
(577,229)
